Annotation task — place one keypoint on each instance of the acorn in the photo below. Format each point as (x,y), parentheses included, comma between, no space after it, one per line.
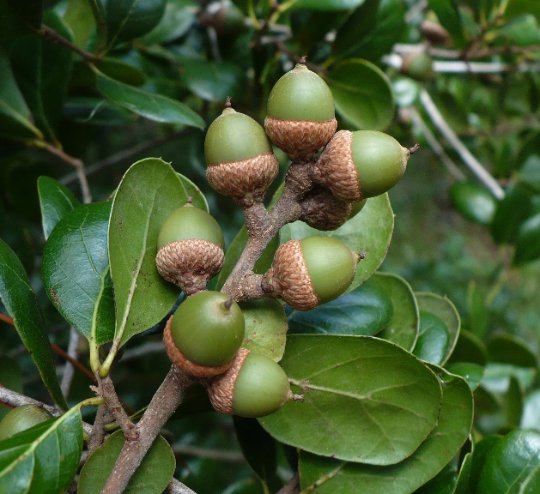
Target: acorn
(204,334)
(190,248)
(239,156)
(21,418)
(309,272)
(419,66)
(301,114)
(321,210)
(254,386)
(361,164)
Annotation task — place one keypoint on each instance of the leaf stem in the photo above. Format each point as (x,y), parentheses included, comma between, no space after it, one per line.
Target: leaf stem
(53,36)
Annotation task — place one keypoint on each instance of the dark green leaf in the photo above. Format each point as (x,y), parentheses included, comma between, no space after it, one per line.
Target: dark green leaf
(179,16)
(469,348)
(152,476)
(149,105)
(364,399)
(472,373)
(20,302)
(369,232)
(76,271)
(403,478)
(433,337)
(44,458)
(473,201)
(444,311)
(266,327)
(449,16)
(55,202)
(443,483)
(362,93)
(528,241)
(519,7)
(326,5)
(512,465)
(529,174)
(513,404)
(11,378)
(15,118)
(511,213)
(510,349)
(480,452)
(19,19)
(464,475)
(367,310)
(149,192)
(120,71)
(213,81)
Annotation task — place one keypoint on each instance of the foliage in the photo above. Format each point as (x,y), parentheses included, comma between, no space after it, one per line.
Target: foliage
(421,378)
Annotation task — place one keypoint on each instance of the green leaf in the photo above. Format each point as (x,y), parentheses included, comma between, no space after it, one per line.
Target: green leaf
(327,5)
(469,348)
(152,477)
(480,452)
(78,17)
(149,105)
(528,241)
(128,19)
(449,16)
(452,429)
(473,201)
(510,349)
(464,475)
(443,483)
(178,18)
(365,399)
(367,310)
(519,7)
(120,71)
(55,201)
(362,93)
(266,327)
(472,373)
(213,81)
(15,117)
(511,213)
(20,302)
(149,192)
(44,458)
(371,31)
(11,378)
(513,404)
(433,343)
(19,19)
(512,465)
(403,326)
(370,232)
(191,190)
(76,271)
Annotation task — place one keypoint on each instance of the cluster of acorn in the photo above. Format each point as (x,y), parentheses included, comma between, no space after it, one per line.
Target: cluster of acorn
(204,336)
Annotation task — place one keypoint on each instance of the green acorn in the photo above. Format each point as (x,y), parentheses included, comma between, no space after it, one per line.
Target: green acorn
(240,160)
(361,164)
(254,386)
(309,272)
(21,418)
(301,114)
(190,248)
(419,66)
(321,210)
(204,334)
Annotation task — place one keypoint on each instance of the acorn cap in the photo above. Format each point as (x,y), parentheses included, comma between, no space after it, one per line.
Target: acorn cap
(190,368)
(321,210)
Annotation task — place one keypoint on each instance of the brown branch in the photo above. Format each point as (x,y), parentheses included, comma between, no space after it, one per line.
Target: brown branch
(292,486)
(75,363)
(7,319)
(98,430)
(52,35)
(163,404)
(116,409)
(214,454)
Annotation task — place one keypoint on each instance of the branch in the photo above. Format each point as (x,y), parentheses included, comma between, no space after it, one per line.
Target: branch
(107,391)
(98,430)
(52,35)
(472,163)
(165,401)
(292,486)
(214,454)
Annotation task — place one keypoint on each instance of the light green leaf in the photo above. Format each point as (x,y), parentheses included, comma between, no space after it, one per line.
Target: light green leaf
(365,400)
(191,190)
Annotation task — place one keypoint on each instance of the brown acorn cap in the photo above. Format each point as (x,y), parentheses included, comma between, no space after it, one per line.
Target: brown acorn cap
(321,210)
(221,388)
(244,180)
(299,138)
(335,168)
(189,367)
(189,263)
(289,277)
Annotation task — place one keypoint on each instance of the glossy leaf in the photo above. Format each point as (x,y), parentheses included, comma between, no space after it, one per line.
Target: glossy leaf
(362,93)
(367,310)
(152,476)
(510,349)
(212,81)
(511,213)
(452,429)
(471,372)
(149,105)
(364,399)
(444,310)
(78,17)
(433,338)
(473,201)
(497,377)
(55,201)
(480,453)
(178,18)
(76,271)
(528,241)
(369,232)
(512,465)
(120,71)
(266,327)
(149,192)
(20,302)
(15,118)
(513,404)
(43,459)
(469,348)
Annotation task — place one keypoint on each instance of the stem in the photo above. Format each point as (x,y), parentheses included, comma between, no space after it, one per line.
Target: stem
(107,391)
(98,430)
(75,363)
(163,404)
(214,454)
(53,36)
(472,163)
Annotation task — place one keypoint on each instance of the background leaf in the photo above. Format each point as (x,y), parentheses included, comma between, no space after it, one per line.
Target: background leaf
(149,192)
(364,399)
(20,302)
(76,271)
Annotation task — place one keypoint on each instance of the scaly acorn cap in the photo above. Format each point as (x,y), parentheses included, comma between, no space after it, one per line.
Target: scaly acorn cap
(306,273)
(301,113)
(240,160)
(361,164)
(190,248)
(321,210)
(254,386)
